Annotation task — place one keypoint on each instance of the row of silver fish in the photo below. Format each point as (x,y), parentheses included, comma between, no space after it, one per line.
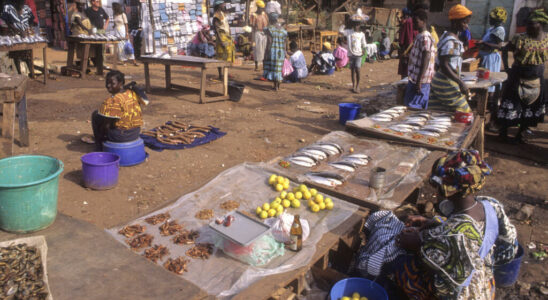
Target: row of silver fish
(21,273)
(424,123)
(325,178)
(14,40)
(310,156)
(388,114)
(351,162)
(98,37)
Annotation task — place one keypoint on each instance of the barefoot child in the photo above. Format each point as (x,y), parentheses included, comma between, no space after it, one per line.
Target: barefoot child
(356,44)
(119,119)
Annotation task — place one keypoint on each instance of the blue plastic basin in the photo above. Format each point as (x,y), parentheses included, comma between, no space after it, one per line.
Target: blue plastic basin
(365,287)
(131,153)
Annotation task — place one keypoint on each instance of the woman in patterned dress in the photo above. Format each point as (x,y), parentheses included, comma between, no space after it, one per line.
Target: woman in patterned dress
(451,258)
(275,51)
(524,96)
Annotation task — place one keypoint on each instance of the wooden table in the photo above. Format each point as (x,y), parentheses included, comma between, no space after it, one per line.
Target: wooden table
(12,96)
(73,45)
(189,61)
(31,47)
(336,247)
(292,28)
(324,35)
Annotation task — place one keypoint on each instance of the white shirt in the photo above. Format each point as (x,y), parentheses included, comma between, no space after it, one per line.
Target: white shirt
(273,7)
(356,43)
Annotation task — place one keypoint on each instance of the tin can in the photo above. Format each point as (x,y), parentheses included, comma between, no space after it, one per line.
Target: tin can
(376,181)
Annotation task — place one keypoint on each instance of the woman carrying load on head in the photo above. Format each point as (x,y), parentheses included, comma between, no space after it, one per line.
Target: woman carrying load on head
(524,97)
(448,91)
(224,47)
(444,258)
(275,51)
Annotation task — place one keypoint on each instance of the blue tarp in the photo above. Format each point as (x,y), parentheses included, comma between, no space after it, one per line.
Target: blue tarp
(155,145)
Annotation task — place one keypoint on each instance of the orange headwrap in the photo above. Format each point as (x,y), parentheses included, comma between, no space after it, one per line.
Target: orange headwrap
(459,12)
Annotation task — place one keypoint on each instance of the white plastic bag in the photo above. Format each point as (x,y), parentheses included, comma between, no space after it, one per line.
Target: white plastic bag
(281,227)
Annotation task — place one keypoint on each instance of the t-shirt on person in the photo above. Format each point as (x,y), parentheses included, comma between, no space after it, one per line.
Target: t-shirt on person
(97,18)
(356,43)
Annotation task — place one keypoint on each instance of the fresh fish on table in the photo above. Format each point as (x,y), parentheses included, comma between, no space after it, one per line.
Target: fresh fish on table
(325,178)
(399,128)
(343,165)
(303,160)
(331,150)
(402,108)
(382,115)
(355,160)
(438,125)
(314,147)
(381,119)
(317,154)
(447,119)
(335,145)
(359,155)
(434,129)
(428,133)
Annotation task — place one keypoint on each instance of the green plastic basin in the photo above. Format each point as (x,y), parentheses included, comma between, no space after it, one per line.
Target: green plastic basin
(29,185)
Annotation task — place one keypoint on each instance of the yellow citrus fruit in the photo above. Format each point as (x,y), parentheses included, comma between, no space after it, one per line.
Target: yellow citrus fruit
(286,203)
(351,149)
(307,195)
(290,196)
(274,205)
(279,187)
(278,200)
(264,214)
(280,209)
(283,194)
(363,298)
(272,179)
(278,213)
(299,195)
(271,212)
(356,295)
(286,180)
(266,206)
(285,185)
(259,210)
(329,205)
(319,198)
(313,192)
(295,189)
(322,205)
(327,200)
(311,202)
(280,180)
(303,188)
(315,208)
(346,298)
(296,203)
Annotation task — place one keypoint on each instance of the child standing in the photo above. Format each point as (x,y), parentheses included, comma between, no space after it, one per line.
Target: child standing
(341,54)
(421,64)
(385,45)
(356,44)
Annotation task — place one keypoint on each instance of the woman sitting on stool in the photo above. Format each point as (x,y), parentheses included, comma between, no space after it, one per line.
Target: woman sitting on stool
(119,119)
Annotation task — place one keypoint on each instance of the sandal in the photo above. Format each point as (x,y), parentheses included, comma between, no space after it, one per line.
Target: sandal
(88,139)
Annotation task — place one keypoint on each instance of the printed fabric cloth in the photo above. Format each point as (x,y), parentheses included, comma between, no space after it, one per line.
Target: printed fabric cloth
(21,22)
(125,107)
(423,42)
(462,171)
(299,64)
(341,57)
(492,60)
(450,46)
(528,51)
(224,47)
(382,227)
(274,62)
(445,95)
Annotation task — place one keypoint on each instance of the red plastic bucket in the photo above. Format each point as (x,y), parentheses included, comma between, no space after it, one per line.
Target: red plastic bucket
(464,117)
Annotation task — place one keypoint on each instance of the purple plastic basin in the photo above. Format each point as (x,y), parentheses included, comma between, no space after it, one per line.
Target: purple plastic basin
(100,170)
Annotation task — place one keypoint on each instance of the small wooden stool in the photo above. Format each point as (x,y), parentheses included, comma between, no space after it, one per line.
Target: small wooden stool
(12,96)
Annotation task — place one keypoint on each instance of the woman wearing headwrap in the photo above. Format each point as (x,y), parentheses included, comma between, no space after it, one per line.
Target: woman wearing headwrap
(275,51)
(258,21)
(524,97)
(448,91)
(451,258)
(224,47)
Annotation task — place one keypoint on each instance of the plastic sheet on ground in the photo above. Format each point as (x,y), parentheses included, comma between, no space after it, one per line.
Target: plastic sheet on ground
(247,184)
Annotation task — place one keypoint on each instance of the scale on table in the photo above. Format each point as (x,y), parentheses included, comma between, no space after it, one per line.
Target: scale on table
(243,230)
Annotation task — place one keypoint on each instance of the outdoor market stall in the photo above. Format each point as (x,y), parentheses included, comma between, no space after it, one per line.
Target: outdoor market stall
(76,42)
(13,98)
(8,44)
(189,61)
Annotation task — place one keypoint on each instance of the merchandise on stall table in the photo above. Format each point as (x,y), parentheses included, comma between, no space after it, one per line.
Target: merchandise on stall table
(21,273)
(303,160)
(178,265)
(357,159)
(170,228)
(176,133)
(156,253)
(388,114)
(319,202)
(204,214)
(186,237)
(14,40)
(132,230)
(325,178)
(140,241)
(202,251)
(157,219)
(230,205)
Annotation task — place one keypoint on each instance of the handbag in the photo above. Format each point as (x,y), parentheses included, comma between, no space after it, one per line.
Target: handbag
(128,48)
(529,90)
(287,68)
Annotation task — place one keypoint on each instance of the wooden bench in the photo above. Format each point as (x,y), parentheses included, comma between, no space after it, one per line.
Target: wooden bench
(31,47)
(74,43)
(12,96)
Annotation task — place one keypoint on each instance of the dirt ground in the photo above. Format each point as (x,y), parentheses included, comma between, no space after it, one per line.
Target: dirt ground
(263,125)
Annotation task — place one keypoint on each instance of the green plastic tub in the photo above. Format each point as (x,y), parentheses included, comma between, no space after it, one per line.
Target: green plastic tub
(28,192)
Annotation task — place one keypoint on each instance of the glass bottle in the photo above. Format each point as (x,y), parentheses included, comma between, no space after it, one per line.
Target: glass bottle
(296,235)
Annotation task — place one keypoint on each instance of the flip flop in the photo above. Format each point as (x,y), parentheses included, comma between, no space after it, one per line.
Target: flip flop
(88,139)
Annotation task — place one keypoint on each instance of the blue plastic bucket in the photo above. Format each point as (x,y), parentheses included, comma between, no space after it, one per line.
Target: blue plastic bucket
(131,153)
(507,274)
(365,287)
(29,185)
(348,112)
(100,170)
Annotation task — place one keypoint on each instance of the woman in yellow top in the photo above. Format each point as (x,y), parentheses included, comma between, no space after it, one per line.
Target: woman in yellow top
(224,44)
(119,119)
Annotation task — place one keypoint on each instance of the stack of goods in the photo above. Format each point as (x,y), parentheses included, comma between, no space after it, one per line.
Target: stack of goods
(236,15)
(176,22)
(14,40)
(60,26)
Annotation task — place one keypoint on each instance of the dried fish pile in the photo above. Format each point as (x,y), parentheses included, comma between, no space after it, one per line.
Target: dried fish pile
(204,214)
(230,205)
(132,230)
(16,39)
(186,237)
(155,253)
(21,273)
(202,251)
(177,133)
(140,241)
(157,219)
(177,266)
(98,37)
(169,228)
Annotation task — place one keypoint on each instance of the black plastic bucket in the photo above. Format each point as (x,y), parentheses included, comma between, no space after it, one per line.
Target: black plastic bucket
(235,91)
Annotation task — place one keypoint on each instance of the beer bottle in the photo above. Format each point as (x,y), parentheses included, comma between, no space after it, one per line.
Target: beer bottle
(296,235)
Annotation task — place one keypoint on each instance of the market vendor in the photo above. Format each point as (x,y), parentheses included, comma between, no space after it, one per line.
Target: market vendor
(80,24)
(20,21)
(224,47)
(119,119)
(448,91)
(441,258)
(202,43)
(258,21)
(99,20)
